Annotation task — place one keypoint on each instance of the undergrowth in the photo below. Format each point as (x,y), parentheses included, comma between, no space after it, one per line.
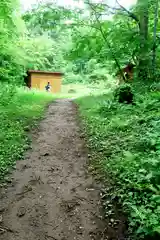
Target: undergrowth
(126,138)
(19,110)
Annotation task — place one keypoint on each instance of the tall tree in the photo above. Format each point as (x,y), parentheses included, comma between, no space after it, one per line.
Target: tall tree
(155,38)
(143,68)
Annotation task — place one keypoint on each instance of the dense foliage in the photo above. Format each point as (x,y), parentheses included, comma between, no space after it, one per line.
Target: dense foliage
(79,41)
(89,45)
(125,141)
(125,138)
(24,46)
(131,36)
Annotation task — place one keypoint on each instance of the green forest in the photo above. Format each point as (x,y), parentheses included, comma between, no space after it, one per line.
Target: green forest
(90,45)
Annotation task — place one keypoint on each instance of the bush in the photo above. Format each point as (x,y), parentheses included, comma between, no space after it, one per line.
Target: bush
(125,139)
(124,94)
(73,78)
(71,91)
(97,77)
(155,87)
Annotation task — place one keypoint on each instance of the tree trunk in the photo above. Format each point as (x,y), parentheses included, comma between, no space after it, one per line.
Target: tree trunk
(143,69)
(154,39)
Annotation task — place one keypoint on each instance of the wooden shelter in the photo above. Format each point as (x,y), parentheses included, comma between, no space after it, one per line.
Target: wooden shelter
(127,72)
(39,79)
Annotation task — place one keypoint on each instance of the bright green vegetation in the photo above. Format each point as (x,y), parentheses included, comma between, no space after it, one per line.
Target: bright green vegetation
(90,45)
(19,110)
(81,90)
(80,42)
(126,141)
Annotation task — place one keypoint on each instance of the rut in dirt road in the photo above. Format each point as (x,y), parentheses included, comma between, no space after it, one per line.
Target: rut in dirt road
(51,195)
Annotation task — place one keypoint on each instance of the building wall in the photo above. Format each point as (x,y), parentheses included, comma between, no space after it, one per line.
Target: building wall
(39,81)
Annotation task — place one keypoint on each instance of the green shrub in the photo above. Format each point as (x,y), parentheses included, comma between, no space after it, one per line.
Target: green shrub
(126,139)
(124,94)
(155,87)
(73,78)
(71,91)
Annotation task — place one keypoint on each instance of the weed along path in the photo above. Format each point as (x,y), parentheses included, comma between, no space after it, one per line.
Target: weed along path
(50,195)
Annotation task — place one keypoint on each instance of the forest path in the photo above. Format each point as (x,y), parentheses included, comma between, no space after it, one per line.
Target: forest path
(51,195)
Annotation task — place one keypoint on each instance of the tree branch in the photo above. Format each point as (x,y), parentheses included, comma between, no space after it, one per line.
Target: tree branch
(84,25)
(120,8)
(130,14)
(106,40)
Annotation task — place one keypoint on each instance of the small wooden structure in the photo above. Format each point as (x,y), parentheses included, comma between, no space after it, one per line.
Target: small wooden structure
(127,72)
(39,79)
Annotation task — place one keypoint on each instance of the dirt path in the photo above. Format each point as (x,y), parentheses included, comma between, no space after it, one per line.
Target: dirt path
(51,195)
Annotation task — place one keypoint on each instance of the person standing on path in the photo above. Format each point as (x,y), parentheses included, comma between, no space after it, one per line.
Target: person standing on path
(48,87)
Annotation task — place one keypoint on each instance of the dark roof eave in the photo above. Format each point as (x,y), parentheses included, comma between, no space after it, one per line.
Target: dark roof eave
(46,72)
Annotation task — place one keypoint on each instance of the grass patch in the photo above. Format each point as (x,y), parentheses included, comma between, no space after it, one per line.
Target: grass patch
(126,140)
(81,90)
(19,110)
